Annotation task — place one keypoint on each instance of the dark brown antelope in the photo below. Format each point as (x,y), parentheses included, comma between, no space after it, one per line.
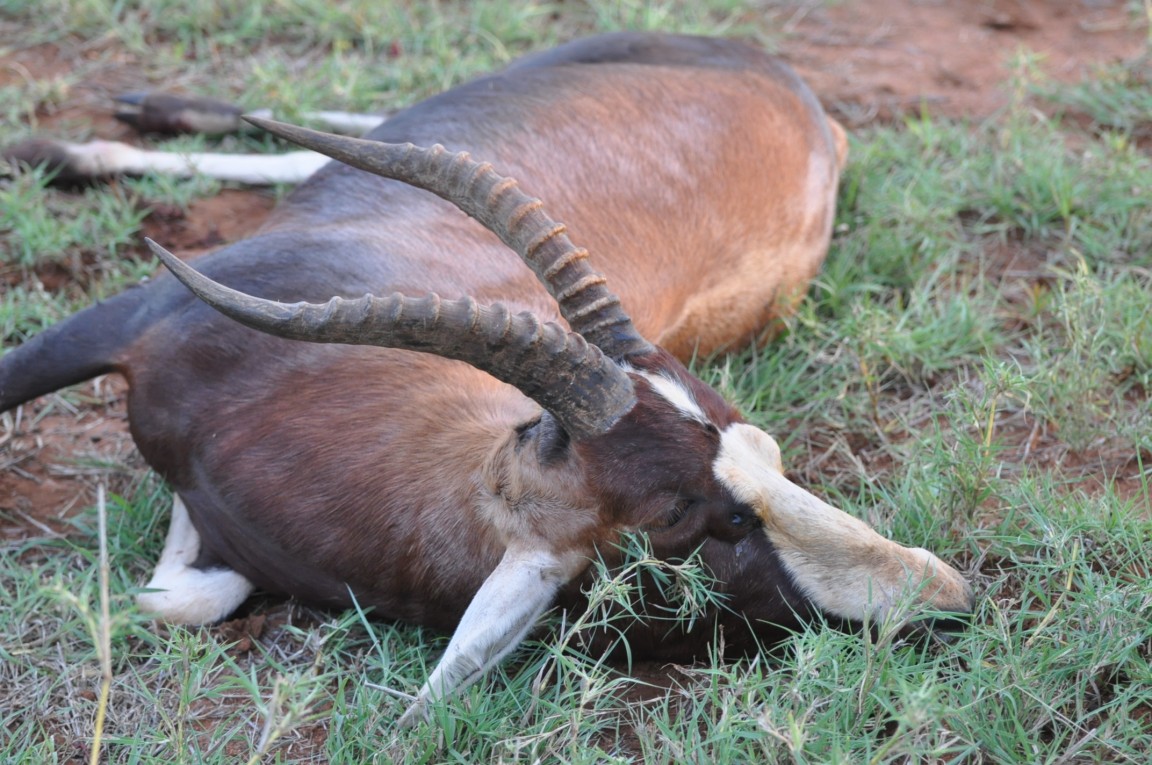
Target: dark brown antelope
(465,431)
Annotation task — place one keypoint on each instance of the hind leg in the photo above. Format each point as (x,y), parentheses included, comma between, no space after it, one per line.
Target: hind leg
(186,594)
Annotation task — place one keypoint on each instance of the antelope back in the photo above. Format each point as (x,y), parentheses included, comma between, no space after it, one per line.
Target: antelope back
(700,174)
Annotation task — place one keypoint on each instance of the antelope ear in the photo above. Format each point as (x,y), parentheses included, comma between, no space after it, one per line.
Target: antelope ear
(836,560)
(523,585)
(548,437)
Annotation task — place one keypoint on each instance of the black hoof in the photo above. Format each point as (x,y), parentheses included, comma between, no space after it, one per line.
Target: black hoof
(163,113)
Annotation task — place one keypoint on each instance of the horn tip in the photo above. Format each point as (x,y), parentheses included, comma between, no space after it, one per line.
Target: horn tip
(181,270)
(264,123)
(284,130)
(165,256)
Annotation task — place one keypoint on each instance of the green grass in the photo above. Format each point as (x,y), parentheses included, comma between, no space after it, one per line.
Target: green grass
(969,374)
(1117,100)
(39,222)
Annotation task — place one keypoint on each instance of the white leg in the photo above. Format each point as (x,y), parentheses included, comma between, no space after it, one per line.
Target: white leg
(345,123)
(508,604)
(187,595)
(100,158)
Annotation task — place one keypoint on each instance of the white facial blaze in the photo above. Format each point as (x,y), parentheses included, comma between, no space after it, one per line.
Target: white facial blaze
(838,561)
(673,392)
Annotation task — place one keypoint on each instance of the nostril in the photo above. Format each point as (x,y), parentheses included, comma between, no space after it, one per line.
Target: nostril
(941,627)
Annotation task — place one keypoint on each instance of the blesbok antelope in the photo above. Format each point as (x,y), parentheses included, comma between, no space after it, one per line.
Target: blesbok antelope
(465,430)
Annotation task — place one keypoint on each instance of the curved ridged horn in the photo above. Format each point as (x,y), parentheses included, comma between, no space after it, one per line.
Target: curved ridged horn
(582,388)
(497,202)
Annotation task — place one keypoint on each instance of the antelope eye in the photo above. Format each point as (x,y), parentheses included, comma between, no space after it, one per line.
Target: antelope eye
(679,510)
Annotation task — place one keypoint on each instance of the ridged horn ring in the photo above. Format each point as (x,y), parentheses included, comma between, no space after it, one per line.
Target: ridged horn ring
(586,303)
(585,391)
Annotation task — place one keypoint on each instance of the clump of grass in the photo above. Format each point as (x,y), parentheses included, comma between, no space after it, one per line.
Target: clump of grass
(1117,97)
(24,102)
(38,225)
(1093,355)
(25,311)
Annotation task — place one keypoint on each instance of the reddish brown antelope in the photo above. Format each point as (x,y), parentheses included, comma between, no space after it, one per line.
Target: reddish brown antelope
(454,448)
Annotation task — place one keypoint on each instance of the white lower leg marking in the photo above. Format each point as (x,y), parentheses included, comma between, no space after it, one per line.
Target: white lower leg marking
(113,158)
(348,123)
(508,604)
(187,595)
(344,123)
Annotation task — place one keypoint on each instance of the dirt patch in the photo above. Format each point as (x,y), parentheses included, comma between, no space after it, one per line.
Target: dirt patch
(209,223)
(55,450)
(58,101)
(887,58)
